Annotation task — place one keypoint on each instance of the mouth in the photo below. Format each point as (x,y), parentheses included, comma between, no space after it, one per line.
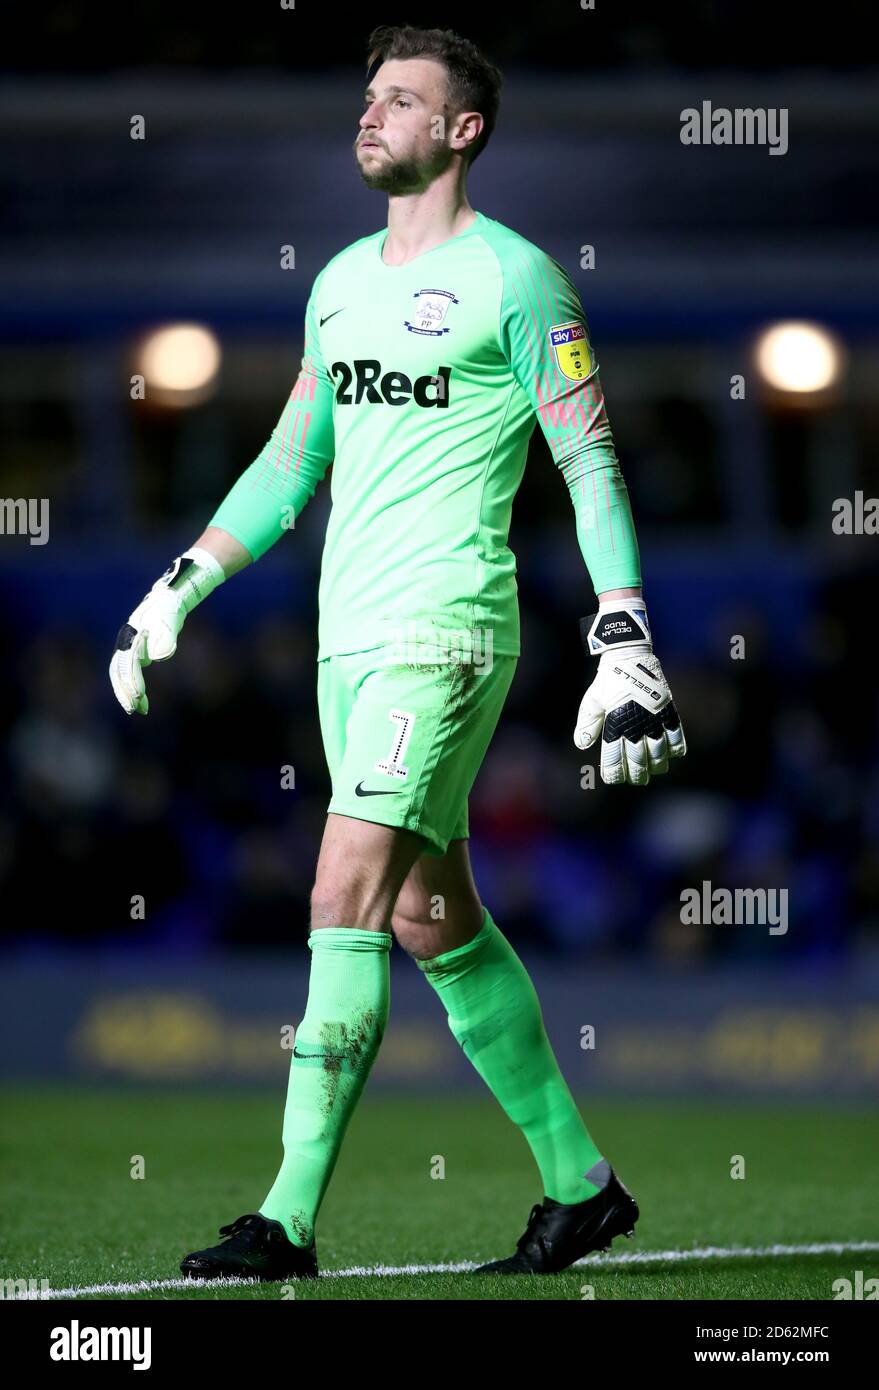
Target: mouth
(368,145)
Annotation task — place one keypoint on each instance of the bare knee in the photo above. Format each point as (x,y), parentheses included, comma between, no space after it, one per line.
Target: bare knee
(418,939)
(357,897)
(347,905)
(360,870)
(425,931)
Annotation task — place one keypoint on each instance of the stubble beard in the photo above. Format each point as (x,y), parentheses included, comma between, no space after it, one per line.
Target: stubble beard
(410,174)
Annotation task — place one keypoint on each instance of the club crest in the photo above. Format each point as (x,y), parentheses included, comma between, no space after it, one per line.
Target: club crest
(429,312)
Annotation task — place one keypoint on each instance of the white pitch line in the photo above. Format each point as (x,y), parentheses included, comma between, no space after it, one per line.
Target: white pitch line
(635,1257)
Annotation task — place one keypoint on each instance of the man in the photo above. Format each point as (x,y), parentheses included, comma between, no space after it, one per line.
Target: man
(430,348)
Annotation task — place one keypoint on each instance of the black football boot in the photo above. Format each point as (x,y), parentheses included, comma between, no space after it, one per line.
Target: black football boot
(559,1233)
(255,1248)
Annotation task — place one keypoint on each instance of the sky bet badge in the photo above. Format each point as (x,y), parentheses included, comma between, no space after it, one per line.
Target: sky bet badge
(428,315)
(571,350)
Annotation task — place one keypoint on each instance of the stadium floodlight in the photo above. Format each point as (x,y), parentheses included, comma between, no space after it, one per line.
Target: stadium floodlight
(799,358)
(179,363)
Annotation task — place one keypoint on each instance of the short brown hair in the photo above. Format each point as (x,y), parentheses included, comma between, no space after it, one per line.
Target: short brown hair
(473,83)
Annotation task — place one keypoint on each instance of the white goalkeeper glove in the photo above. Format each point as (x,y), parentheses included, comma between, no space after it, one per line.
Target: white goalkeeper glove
(629,703)
(151,632)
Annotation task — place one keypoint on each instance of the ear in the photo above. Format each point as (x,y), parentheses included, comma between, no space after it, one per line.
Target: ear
(468,126)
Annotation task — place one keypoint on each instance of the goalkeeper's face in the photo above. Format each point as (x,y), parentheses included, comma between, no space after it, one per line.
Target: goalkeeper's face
(404,137)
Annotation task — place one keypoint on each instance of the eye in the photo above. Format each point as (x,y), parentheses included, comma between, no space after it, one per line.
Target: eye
(401,102)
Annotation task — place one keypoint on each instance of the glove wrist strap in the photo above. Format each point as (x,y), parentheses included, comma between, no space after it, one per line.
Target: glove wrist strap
(193,575)
(618,624)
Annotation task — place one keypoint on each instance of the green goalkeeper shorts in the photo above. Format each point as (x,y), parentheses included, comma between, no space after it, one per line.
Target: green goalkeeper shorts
(404,742)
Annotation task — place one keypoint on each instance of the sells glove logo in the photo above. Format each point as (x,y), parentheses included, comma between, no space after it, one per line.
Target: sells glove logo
(431,307)
(627,675)
(377,387)
(571,350)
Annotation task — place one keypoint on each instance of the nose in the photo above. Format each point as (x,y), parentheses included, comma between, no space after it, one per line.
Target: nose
(369,119)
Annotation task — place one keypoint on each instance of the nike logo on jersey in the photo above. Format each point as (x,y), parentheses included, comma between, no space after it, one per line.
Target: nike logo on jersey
(322,321)
(360,790)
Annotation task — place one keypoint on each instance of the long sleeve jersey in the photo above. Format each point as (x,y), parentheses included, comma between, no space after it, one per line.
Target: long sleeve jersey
(422,384)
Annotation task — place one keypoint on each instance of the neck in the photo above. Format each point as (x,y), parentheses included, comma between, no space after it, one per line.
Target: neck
(419,221)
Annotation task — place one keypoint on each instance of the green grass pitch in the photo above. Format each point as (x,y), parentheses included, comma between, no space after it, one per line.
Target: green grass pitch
(75,1216)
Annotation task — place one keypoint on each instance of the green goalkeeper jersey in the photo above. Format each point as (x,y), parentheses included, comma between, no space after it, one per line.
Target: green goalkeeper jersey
(421,384)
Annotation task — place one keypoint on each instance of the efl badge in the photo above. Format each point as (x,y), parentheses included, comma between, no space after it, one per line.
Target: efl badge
(571,350)
(428,315)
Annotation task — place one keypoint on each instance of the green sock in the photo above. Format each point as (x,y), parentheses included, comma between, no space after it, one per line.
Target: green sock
(495,1015)
(336,1045)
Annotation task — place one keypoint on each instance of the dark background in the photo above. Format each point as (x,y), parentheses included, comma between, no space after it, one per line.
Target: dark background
(250,115)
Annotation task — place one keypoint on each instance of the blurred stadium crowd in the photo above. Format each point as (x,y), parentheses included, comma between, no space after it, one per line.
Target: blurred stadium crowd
(779,788)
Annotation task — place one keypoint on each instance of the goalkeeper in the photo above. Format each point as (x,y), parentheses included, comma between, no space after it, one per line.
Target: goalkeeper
(432,347)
